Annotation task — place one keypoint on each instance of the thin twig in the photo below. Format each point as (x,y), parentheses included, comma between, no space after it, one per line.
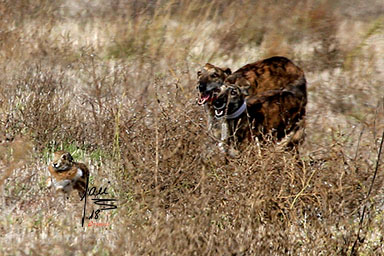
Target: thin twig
(358,142)
(355,244)
(302,190)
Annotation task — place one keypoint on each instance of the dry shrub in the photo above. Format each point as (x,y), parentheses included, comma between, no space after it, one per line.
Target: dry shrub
(13,155)
(191,200)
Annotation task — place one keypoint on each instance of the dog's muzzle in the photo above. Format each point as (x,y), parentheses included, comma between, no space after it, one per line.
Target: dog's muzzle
(220,105)
(202,87)
(209,94)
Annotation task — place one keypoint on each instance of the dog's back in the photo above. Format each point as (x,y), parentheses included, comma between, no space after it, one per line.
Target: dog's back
(275,73)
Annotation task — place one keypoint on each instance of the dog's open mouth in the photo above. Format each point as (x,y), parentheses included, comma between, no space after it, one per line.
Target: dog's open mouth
(204,97)
(219,113)
(208,96)
(220,106)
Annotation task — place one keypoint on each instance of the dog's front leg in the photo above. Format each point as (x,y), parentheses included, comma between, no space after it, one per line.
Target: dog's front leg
(210,117)
(224,136)
(210,122)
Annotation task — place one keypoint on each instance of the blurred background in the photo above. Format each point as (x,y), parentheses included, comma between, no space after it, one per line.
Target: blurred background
(114,83)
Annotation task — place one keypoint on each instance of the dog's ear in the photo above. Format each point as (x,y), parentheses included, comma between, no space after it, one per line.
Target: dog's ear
(227,71)
(230,79)
(208,66)
(244,90)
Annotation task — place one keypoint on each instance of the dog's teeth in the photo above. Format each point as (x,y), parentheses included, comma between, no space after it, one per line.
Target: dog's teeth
(202,100)
(218,113)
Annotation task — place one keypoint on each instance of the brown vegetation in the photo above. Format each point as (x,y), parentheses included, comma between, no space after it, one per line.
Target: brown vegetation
(114,83)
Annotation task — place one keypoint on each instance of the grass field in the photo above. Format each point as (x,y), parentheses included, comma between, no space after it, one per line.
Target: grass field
(114,83)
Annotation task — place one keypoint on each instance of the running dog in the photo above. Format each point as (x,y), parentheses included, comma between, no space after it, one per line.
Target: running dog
(275,73)
(270,114)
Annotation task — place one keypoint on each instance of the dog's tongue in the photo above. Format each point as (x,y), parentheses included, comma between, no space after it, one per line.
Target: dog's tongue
(203,99)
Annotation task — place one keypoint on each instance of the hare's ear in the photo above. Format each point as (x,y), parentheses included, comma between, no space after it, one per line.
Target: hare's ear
(244,90)
(68,157)
(227,71)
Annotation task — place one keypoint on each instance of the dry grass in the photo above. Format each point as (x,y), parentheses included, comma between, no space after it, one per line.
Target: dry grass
(113,82)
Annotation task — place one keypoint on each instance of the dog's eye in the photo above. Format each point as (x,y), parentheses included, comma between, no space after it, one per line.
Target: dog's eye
(233,92)
(215,75)
(199,73)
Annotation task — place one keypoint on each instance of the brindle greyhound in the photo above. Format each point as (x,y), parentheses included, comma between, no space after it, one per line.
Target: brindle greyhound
(210,79)
(272,74)
(273,114)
